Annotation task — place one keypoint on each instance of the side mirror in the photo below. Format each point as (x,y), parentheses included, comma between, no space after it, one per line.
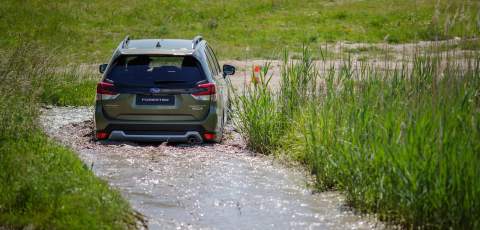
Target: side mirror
(102,68)
(228,70)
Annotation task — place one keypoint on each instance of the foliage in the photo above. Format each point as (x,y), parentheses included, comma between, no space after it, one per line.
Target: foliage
(401,141)
(42,184)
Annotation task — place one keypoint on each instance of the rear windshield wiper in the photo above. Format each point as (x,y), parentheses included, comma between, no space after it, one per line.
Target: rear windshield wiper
(167,82)
(201,82)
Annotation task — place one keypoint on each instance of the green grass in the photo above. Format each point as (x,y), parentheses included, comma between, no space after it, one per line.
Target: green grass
(365,49)
(262,114)
(44,185)
(71,87)
(88,31)
(256,115)
(465,45)
(402,142)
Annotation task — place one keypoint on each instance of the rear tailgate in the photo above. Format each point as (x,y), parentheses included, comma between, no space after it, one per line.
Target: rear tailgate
(176,105)
(156,88)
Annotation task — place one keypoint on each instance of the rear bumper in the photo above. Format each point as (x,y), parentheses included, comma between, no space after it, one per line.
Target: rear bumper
(192,137)
(154,128)
(171,131)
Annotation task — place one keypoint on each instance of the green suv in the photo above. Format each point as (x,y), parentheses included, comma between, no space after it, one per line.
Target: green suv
(169,90)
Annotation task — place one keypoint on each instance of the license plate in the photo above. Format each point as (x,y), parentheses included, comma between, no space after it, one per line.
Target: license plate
(155,100)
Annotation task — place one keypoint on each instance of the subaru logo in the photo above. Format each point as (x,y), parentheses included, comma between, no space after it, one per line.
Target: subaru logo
(154,90)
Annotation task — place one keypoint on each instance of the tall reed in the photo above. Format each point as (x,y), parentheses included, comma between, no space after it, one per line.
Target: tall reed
(263,114)
(402,140)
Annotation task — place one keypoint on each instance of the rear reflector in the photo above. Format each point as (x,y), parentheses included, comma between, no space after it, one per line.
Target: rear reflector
(209,136)
(102,135)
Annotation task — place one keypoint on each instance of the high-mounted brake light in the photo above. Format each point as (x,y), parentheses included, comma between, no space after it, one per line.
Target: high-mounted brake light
(205,92)
(106,91)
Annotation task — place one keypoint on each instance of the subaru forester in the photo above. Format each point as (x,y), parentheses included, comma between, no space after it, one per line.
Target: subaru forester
(165,90)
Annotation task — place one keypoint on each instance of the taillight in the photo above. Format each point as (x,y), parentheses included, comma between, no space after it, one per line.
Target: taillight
(205,91)
(106,90)
(102,135)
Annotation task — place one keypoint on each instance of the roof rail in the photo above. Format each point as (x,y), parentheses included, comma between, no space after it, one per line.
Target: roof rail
(197,39)
(125,42)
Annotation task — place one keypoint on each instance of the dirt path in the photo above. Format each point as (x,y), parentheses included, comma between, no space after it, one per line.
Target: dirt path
(211,186)
(379,56)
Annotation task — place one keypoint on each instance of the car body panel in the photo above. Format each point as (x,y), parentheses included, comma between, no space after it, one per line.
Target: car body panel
(185,107)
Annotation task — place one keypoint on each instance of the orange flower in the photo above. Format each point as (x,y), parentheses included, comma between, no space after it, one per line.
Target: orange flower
(256,69)
(256,73)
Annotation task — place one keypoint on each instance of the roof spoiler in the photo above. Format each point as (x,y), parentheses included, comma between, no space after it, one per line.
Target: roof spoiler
(196,40)
(125,42)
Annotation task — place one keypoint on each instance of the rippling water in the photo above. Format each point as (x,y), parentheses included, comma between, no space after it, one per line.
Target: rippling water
(217,186)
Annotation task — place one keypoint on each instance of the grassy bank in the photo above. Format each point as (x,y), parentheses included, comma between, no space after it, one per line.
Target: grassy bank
(44,185)
(69,87)
(402,142)
(87,31)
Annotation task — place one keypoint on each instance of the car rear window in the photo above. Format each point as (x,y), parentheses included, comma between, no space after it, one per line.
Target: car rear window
(158,71)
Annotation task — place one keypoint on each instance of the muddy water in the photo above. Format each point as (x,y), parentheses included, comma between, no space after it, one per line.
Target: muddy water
(215,186)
